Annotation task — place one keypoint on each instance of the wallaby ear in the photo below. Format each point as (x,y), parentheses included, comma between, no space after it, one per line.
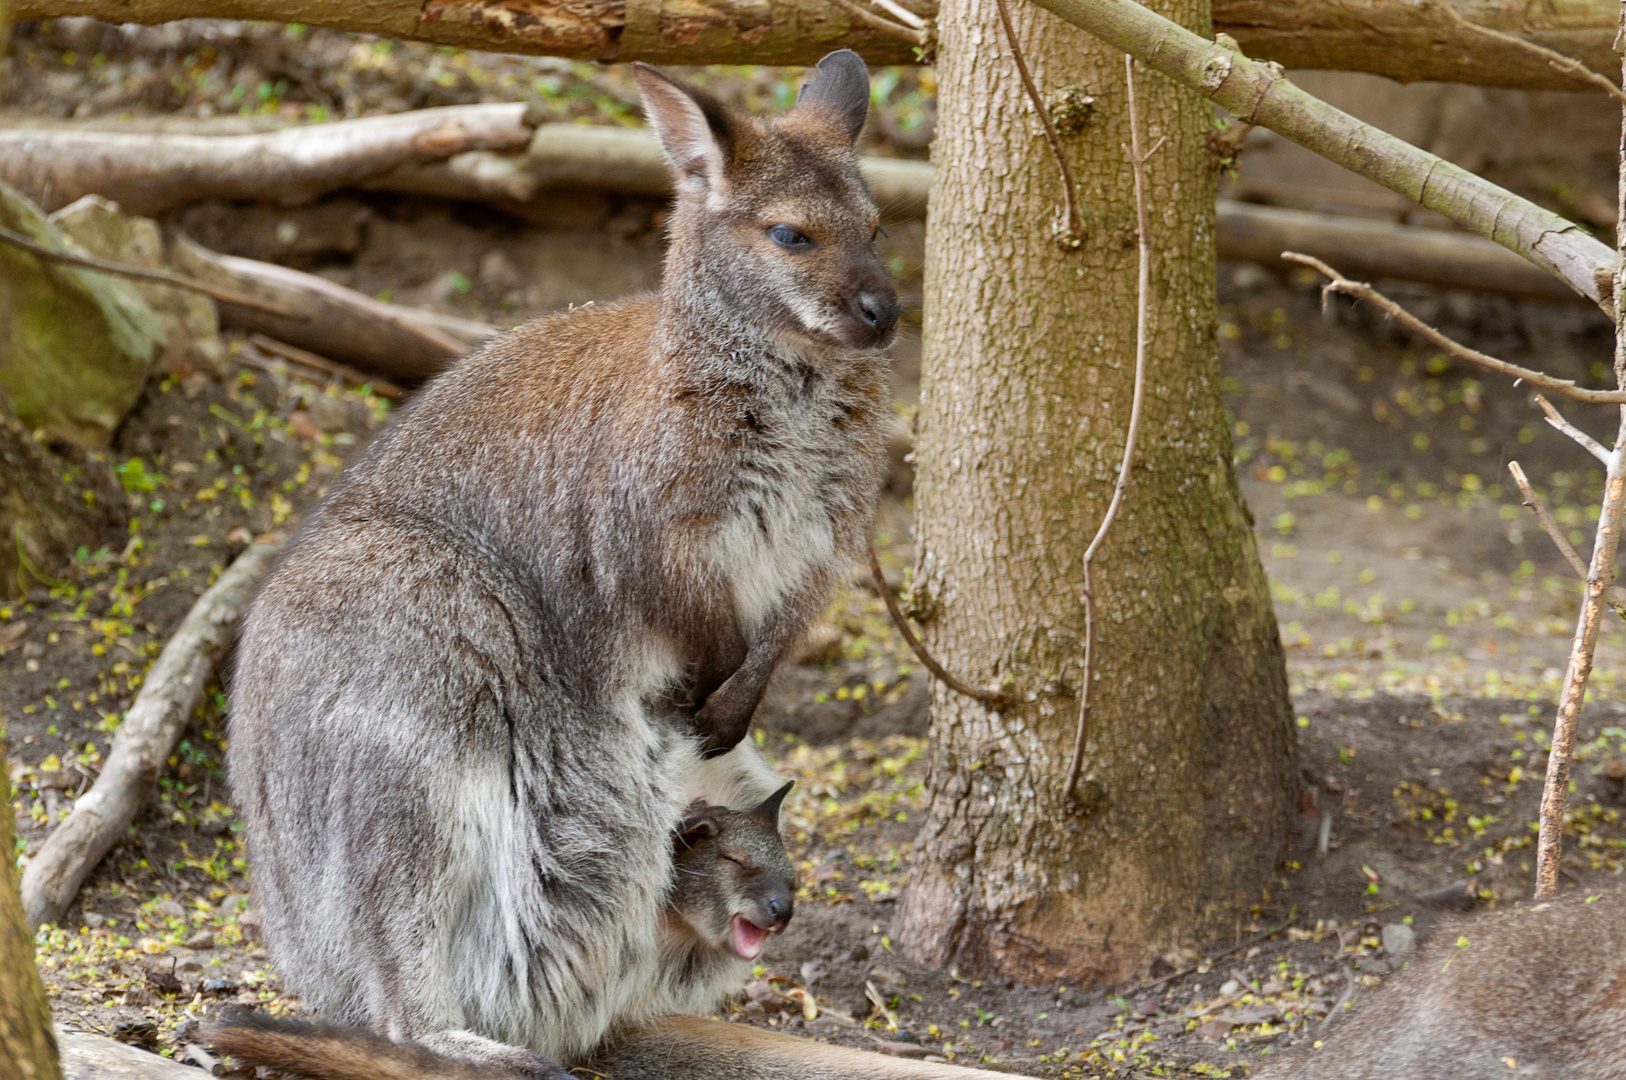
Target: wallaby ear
(692,830)
(689,124)
(840,85)
(769,807)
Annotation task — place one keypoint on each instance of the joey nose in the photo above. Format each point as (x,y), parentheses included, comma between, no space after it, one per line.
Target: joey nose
(879,308)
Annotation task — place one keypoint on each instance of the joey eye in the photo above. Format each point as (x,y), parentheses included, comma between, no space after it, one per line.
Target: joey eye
(732,859)
(791,239)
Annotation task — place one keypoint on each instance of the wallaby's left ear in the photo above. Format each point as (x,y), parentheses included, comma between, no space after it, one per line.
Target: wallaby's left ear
(692,830)
(690,123)
(770,806)
(840,85)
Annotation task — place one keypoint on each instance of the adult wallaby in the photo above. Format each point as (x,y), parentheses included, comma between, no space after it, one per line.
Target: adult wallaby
(734,885)
(532,623)
(1530,993)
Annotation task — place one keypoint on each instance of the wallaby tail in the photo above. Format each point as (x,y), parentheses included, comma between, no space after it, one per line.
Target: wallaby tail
(329,1052)
(692,1048)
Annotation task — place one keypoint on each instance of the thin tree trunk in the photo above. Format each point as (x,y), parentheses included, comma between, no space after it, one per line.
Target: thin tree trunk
(1402,39)
(1190,772)
(27,1043)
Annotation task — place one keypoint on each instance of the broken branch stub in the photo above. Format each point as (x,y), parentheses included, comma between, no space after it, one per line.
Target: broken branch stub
(143,742)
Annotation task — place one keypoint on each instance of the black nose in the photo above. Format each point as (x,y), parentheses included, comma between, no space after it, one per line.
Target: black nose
(779,906)
(879,310)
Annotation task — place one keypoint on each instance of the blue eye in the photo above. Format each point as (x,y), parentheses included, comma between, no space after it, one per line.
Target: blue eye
(789,237)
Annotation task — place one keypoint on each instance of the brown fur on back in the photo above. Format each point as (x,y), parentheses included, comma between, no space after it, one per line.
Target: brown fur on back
(1537,991)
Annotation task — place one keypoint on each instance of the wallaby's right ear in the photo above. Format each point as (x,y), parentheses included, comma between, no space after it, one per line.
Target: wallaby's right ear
(690,125)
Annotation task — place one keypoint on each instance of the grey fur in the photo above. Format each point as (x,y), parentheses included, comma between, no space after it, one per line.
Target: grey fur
(532,623)
(730,864)
(1531,993)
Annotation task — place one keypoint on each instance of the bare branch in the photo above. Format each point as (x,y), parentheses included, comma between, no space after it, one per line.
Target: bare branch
(1137,161)
(1260,93)
(1587,442)
(1565,548)
(143,273)
(901,13)
(1615,598)
(293,355)
(991,698)
(886,26)
(1600,576)
(1362,291)
(1073,237)
(1555,59)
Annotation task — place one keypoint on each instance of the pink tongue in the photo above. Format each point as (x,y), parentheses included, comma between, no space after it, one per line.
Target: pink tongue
(748,938)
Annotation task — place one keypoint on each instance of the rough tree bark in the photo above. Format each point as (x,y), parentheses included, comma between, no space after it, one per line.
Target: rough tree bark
(1403,39)
(27,1044)
(1191,767)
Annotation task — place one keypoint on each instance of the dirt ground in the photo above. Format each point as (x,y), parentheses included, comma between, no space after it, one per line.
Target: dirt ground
(1427,618)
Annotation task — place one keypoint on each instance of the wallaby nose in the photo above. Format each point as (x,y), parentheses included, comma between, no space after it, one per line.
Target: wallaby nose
(780,907)
(879,309)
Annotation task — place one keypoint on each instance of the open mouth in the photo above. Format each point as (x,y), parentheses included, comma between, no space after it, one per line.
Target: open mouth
(747,938)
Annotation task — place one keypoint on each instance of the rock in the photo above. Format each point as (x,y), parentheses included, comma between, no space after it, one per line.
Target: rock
(201,940)
(1230,987)
(761,992)
(886,978)
(219,988)
(1214,1031)
(169,909)
(814,971)
(1273,987)
(249,921)
(78,344)
(327,414)
(1399,940)
(189,319)
(93,920)
(754,1010)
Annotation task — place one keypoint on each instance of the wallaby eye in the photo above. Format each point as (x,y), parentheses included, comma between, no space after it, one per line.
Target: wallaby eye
(732,859)
(789,237)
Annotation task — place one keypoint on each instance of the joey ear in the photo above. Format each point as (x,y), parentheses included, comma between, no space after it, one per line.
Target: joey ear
(769,807)
(691,830)
(689,124)
(840,85)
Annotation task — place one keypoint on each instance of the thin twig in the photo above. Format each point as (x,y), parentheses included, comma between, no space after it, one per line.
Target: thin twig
(1600,576)
(991,698)
(886,26)
(1234,949)
(1338,283)
(1137,162)
(143,273)
(901,13)
(1074,236)
(1614,597)
(1587,442)
(1555,59)
(355,377)
(1349,992)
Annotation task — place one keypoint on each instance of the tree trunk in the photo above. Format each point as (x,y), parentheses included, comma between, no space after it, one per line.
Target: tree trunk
(27,1043)
(1402,39)
(1191,771)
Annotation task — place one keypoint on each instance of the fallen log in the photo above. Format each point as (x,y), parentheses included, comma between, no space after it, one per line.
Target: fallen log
(1402,39)
(401,343)
(1381,249)
(624,160)
(96,1057)
(151,173)
(143,742)
(630,161)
